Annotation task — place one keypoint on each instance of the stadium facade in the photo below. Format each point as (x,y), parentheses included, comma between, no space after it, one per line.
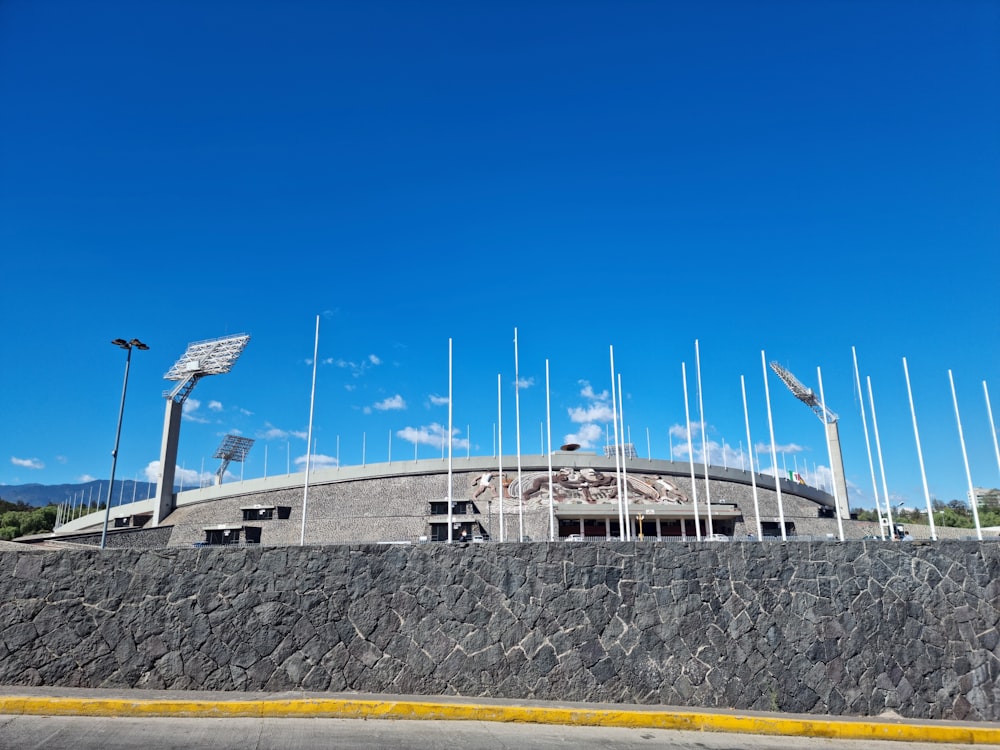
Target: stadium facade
(491,500)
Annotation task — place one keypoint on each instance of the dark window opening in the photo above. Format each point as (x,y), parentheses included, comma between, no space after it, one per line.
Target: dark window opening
(773,528)
(258,514)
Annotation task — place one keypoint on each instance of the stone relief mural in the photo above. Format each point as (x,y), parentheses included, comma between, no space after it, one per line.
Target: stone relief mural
(583,486)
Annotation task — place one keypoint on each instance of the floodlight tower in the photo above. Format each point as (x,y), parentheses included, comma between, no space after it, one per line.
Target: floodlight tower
(212,357)
(828,418)
(233,448)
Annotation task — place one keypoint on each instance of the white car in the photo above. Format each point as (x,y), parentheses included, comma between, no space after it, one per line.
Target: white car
(716,538)
(574,538)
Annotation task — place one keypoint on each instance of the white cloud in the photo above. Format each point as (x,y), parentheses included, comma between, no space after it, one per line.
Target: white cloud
(357,369)
(588,436)
(316,460)
(587,391)
(27,463)
(592,413)
(392,403)
(86,478)
(272,433)
(186,478)
(215,405)
(189,411)
(437,400)
(62,459)
(433,434)
(523,383)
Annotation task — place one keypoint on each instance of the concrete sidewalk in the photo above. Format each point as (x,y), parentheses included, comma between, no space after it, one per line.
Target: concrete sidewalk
(18,700)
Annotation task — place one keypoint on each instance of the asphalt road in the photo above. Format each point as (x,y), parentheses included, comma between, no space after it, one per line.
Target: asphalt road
(160,733)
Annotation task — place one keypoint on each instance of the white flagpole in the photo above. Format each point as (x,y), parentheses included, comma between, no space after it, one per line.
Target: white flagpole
(312,402)
(829,452)
(449,445)
(517,420)
(622,511)
(920,453)
(621,417)
(753,477)
(649,448)
(881,464)
(965,457)
(500,451)
(774,454)
(548,419)
(704,442)
(868,445)
(993,429)
(694,481)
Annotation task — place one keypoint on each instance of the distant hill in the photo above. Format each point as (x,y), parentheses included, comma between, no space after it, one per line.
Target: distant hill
(40,495)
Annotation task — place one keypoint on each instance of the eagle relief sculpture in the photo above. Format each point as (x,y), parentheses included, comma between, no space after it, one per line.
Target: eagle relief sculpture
(590,486)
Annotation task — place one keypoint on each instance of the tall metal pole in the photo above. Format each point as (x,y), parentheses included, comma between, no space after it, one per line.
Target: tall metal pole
(753,477)
(548,419)
(500,453)
(449,445)
(127,345)
(704,442)
(881,463)
(312,402)
(774,455)
(621,420)
(694,481)
(993,428)
(622,509)
(868,445)
(920,453)
(829,450)
(965,458)
(517,426)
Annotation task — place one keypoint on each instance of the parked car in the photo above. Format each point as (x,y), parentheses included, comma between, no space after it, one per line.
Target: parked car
(574,538)
(716,538)
(478,538)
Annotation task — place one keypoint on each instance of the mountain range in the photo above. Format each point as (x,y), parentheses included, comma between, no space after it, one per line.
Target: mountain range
(39,495)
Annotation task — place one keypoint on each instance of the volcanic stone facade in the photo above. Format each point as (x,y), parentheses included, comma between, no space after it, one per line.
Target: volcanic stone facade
(851,628)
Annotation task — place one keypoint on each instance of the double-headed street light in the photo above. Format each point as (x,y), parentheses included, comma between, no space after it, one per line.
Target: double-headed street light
(128,346)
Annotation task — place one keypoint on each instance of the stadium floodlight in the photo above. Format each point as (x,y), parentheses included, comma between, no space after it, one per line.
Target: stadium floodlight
(212,357)
(804,394)
(830,419)
(202,358)
(232,448)
(128,346)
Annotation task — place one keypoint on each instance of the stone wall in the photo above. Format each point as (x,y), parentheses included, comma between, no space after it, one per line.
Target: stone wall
(850,628)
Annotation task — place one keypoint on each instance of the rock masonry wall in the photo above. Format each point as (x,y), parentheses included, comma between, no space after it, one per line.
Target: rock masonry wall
(852,628)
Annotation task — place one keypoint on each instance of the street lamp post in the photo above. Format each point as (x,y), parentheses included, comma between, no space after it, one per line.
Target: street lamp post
(128,346)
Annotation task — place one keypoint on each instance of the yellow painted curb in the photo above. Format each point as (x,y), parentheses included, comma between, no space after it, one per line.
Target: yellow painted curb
(872,729)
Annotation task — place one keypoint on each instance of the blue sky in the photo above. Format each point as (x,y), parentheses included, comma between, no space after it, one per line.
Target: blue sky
(787,177)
